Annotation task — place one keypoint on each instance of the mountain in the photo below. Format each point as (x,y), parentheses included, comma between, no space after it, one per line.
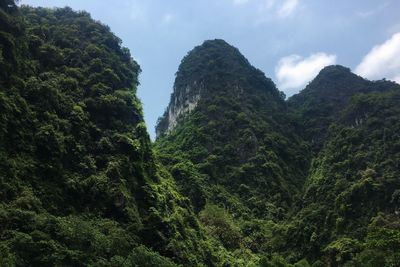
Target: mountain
(228,120)
(80,185)
(230,144)
(238,176)
(207,70)
(350,202)
(314,177)
(325,97)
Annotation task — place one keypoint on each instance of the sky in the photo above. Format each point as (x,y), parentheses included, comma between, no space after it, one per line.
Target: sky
(289,40)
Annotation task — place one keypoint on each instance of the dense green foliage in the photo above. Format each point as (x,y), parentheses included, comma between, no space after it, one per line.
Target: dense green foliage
(79,182)
(319,104)
(354,178)
(231,142)
(239,176)
(306,178)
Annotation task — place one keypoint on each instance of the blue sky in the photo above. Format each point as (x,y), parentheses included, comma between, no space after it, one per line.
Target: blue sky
(290,40)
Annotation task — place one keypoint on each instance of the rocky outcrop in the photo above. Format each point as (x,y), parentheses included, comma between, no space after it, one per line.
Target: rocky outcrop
(183,101)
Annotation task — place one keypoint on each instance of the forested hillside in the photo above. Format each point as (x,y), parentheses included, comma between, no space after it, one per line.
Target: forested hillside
(79,182)
(237,135)
(238,176)
(314,178)
(350,209)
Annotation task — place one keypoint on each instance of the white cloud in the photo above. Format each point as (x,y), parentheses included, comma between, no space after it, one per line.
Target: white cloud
(383,61)
(396,79)
(294,71)
(287,8)
(271,9)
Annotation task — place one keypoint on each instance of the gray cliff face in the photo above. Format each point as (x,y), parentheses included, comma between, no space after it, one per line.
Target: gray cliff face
(184,100)
(213,66)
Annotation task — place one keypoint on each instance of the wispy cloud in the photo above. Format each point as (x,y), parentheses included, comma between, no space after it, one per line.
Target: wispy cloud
(271,9)
(371,12)
(294,71)
(396,79)
(287,8)
(383,61)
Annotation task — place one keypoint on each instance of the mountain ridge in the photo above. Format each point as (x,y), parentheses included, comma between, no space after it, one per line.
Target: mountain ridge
(315,127)
(321,101)
(237,176)
(80,184)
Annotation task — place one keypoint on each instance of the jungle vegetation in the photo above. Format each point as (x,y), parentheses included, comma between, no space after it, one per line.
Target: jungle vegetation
(246,178)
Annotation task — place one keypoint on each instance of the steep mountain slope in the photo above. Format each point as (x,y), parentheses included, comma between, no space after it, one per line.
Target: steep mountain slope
(234,128)
(79,182)
(353,125)
(243,158)
(228,141)
(319,104)
(249,179)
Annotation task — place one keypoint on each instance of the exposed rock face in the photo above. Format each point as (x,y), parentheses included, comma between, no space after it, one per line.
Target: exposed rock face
(183,101)
(228,121)
(212,67)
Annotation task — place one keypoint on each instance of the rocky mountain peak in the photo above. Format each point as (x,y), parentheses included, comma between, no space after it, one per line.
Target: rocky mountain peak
(209,68)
